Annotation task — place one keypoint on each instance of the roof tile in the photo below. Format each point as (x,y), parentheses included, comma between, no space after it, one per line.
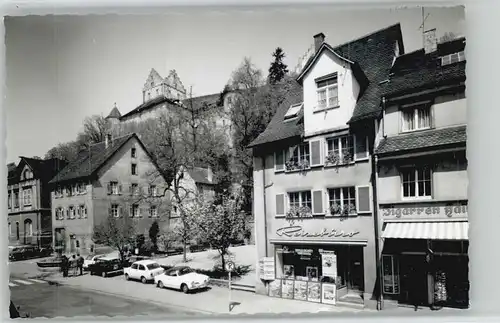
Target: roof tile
(423,139)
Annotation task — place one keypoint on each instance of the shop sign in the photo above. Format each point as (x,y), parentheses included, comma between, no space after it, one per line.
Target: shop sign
(449,211)
(266,268)
(297,231)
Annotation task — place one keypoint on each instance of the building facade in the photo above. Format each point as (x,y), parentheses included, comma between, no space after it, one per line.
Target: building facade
(422,179)
(113,178)
(313,183)
(28,200)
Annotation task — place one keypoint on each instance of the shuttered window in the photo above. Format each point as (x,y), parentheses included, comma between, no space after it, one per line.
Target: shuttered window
(364,204)
(280,204)
(317,201)
(315,150)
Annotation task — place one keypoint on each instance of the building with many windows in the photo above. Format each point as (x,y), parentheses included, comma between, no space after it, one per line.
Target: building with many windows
(422,179)
(28,200)
(313,176)
(116,178)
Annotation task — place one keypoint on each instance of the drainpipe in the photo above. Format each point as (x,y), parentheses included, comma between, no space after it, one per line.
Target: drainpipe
(377,234)
(265,208)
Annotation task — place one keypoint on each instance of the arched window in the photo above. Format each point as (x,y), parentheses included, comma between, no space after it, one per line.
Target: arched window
(27,174)
(28,228)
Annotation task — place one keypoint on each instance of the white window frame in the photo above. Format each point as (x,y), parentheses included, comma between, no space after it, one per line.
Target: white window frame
(71,212)
(133,167)
(59,213)
(414,107)
(342,199)
(27,198)
(327,88)
(288,153)
(153,211)
(447,59)
(288,206)
(338,138)
(284,162)
(115,210)
(153,190)
(83,211)
(416,197)
(135,207)
(367,142)
(114,188)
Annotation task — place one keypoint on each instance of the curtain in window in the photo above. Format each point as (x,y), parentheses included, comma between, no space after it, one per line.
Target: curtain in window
(408,120)
(322,98)
(423,118)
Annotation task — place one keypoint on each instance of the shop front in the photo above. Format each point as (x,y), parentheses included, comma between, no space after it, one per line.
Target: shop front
(329,266)
(425,261)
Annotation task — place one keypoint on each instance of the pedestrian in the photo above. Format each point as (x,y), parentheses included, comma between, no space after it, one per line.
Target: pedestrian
(64,265)
(80,262)
(74,265)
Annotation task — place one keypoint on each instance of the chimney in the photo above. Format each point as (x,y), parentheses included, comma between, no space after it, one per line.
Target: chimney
(318,41)
(108,140)
(430,41)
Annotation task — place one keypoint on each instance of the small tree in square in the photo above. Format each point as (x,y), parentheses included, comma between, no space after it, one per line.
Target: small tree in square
(220,225)
(117,232)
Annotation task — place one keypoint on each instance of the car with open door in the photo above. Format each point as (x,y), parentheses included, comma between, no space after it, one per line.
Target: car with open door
(182,278)
(143,270)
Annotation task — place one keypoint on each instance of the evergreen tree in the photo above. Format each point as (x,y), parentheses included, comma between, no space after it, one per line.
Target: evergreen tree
(278,69)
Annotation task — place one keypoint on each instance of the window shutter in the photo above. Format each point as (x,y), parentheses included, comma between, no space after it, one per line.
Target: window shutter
(364,204)
(279,160)
(317,201)
(110,213)
(150,211)
(315,148)
(109,190)
(120,211)
(280,204)
(361,148)
(120,189)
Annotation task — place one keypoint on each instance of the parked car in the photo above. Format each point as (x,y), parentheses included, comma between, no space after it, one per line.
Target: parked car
(133,259)
(46,251)
(143,270)
(106,266)
(23,252)
(182,278)
(90,260)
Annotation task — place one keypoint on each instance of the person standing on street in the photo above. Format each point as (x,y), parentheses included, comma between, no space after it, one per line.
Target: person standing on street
(74,265)
(80,263)
(64,265)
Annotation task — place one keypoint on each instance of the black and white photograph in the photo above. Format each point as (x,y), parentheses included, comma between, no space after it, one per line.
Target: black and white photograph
(222,161)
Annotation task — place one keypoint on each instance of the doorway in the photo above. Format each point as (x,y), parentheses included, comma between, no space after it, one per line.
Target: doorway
(414,283)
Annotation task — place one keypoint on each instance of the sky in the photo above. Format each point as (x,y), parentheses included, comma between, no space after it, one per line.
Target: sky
(60,69)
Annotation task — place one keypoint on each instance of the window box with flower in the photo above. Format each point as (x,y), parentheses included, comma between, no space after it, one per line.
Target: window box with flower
(299,212)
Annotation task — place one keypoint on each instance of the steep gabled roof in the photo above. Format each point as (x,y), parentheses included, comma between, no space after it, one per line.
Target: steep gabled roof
(115,113)
(90,161)
(200,175)
(418,71)
(278,129)
(43,169)
(370,57)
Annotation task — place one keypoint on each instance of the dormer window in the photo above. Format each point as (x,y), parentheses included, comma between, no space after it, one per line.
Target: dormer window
(453,58)
(327,91)
(293,111)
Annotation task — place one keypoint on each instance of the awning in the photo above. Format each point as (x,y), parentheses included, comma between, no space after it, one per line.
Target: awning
(456,230)
(319,242)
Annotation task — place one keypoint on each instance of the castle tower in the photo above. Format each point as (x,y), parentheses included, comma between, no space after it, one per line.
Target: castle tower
(113,118)
(153,87)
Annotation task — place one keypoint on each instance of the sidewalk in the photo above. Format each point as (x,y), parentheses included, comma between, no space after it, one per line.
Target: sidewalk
(213,301)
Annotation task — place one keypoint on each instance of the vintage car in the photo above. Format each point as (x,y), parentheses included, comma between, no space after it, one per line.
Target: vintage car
(143,270)
(23,252)
(182,278)
(130,260)
(106,266)
(90,260)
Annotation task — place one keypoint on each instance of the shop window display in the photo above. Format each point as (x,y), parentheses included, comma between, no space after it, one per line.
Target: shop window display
(311,273)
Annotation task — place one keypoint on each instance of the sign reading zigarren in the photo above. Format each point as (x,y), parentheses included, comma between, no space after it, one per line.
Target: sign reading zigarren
(297,231)
(448,210)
